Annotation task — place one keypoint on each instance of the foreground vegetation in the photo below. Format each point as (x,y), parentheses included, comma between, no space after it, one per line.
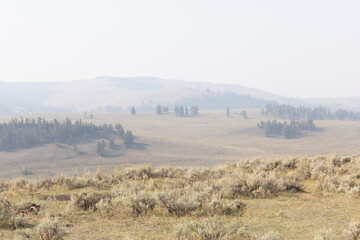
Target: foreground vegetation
(308,198)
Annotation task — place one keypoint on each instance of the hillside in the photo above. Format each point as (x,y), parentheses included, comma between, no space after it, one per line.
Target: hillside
(113,94)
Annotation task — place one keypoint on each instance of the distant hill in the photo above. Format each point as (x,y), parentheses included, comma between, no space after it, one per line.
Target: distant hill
(115,94)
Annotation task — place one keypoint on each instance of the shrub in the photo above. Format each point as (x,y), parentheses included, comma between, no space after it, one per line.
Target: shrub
(7,216)
(138,173)
(104,207)
(27,207)
(208,229)
(24,234)
(169,172)
(271,235)
(325,234)
(85,200)
(222,207)
(178,203)
(352,232)
(293,183)
(4,185)
(49,229)
(46,183)
(257,185)
(140,201)
(5,213)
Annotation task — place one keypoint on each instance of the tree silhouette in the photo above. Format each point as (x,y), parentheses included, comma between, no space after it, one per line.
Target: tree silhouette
(133,112)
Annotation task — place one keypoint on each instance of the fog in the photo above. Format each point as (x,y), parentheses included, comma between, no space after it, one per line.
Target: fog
(294,49)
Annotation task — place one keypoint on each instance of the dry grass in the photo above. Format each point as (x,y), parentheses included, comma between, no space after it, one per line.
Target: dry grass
(249,199)
(168,140)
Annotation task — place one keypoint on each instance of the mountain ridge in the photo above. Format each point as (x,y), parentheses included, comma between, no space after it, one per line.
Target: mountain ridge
(97,94)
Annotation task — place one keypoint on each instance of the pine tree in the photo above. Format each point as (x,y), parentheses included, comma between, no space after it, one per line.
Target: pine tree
(286,132)
(100,148)
(243,113)
(128,139)
(120,129)
(133,112)
(158,109)
(112,143)
(227,111)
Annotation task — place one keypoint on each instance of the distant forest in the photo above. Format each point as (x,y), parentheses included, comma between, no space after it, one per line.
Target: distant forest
(304,113)
(218,101)
(26,133)
(293,129)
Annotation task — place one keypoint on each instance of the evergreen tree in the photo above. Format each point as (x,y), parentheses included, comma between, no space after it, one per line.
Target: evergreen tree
(158,109)
(120,129)
(181,110)
(26,133)
(243,113)
(286,132)
(112,143)
(133,112)
(100,149)
(227,111)
(128,139)
(194,110)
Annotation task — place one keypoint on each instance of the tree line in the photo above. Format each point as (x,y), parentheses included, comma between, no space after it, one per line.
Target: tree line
(29,132)
(180,110)
(185,111)
(303,113)
(293,129)
(219,101)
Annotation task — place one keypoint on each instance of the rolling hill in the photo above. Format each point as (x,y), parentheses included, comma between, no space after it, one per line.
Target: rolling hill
(114,94)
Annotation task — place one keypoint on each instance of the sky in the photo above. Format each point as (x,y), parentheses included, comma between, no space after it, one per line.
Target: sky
(303,48)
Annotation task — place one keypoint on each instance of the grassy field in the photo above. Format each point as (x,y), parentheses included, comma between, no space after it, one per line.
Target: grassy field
(283,199)
(168,140)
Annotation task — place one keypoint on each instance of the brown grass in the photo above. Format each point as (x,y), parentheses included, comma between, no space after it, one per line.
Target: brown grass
(168,140)
(249,199)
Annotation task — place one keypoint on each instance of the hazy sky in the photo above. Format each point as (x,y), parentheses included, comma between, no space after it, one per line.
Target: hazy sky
(295,48)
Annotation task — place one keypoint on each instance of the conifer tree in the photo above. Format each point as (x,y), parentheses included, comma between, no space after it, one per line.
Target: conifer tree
(133,112)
